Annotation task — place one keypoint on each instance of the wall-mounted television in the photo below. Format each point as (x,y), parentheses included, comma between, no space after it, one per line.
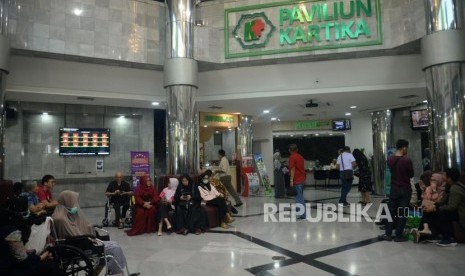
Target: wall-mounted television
(419,119)
(341,125)
(84,141)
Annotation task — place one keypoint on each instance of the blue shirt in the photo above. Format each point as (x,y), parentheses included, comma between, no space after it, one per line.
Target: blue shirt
(32,198)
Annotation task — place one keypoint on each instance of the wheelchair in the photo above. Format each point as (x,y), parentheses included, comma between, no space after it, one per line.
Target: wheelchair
(83,255)
(107,221)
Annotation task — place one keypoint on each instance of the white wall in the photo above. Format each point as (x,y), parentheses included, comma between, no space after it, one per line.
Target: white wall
(361,135)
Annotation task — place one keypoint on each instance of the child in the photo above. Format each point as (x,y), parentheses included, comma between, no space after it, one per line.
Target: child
(433,193)
(166,204)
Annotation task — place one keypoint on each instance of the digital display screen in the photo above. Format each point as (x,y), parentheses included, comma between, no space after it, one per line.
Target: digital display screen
(340,125)
(419,119)
(84,141)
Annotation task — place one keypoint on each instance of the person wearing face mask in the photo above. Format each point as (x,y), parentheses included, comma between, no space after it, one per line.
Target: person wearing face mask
(212,197)
(15,259)
(70,221)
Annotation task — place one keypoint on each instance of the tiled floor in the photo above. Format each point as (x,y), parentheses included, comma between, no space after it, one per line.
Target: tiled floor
(249,246)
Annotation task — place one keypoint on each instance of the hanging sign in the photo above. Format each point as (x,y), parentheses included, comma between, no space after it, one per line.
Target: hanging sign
(285,27)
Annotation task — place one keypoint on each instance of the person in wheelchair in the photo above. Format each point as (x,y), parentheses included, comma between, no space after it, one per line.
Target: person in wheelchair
(15,259)
(70,221)
(119,192)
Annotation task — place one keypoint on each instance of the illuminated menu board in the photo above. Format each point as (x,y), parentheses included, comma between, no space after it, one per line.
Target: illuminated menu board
(84,141)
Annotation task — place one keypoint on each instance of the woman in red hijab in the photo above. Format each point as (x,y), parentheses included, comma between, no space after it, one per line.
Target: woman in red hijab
(146,207)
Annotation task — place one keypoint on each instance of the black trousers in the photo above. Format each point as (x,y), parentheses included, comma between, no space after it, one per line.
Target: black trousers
(162,212)
(220,203)
(118,214)
(398,201)
(443,223)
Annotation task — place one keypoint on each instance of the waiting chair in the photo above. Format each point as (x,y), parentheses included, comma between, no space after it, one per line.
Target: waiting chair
(334,175)
(320,175)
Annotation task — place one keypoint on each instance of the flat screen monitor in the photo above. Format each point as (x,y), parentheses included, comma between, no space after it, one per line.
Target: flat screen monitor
(341,125)
(84,141)
(419,119)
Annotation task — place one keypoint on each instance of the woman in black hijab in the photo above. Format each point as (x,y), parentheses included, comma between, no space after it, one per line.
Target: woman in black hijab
(189,216)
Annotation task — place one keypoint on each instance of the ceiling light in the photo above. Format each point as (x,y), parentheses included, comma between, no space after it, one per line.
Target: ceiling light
(77,11)
(330,134)
(305,135)
(317,134)
(44,113)
(425,101)
(217,132)
(266,111)
(353,106)
(155,103)
(292,135)
(348,114)
(273,119)
(121,116)
(204,125)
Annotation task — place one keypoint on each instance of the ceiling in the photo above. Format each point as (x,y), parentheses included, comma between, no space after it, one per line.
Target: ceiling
(330,105)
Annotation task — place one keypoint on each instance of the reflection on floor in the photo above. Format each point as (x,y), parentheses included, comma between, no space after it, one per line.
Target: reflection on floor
(250,246)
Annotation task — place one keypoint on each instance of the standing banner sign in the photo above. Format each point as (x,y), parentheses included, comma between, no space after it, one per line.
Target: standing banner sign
(263,174)
(140,165)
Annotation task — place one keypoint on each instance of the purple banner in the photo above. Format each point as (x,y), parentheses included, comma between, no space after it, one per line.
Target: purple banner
(140,165)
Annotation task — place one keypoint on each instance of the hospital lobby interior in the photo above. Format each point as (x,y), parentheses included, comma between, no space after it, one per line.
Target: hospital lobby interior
(159,89)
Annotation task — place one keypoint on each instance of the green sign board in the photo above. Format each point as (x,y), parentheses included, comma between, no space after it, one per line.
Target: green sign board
(312,125)
(219,119)
(291,26)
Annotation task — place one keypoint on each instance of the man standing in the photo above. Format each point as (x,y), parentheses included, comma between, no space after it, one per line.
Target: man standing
(399,198)
(297,177)
(346,164)
(452,210)
(119,192)
(224,176)
(44,193)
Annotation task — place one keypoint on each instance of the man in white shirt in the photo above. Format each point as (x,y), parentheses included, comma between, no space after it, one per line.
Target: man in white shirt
(225,177)
(346,165)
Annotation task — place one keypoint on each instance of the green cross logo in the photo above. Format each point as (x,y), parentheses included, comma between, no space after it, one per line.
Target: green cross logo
(253,30)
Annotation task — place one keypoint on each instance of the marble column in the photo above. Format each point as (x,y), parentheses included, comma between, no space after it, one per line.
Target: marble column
(4,56)
(180,82)
(382,139)
(244,135)
(443,53)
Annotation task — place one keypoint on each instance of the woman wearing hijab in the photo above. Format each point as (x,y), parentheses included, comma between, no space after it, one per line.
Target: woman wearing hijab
(70,221)
(189,216)
(166,205)
(364,176)
(212,197)
(145,208)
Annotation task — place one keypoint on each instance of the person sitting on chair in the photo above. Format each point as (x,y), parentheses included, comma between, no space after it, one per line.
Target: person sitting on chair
(44,193)
(15,259)
(166,205)
(145,208)
(120,194)
(213,197)
(70,222)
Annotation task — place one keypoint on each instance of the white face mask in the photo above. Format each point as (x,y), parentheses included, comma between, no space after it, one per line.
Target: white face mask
(205,181)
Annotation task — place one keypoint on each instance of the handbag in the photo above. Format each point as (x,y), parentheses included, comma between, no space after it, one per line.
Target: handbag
(346,174)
